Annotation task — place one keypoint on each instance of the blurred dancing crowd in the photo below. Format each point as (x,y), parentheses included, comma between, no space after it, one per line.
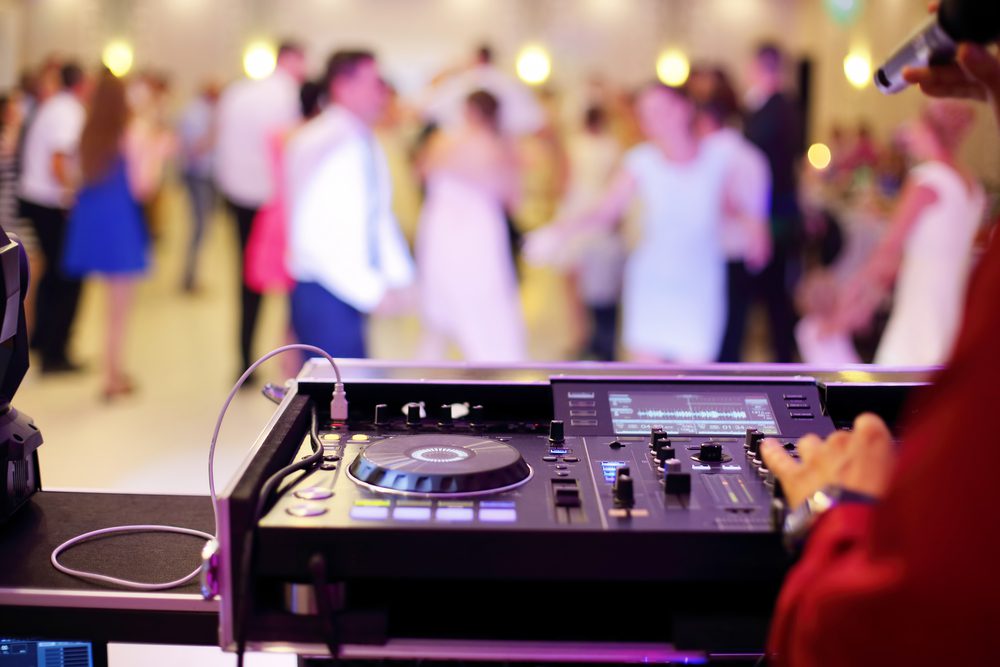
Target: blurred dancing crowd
(670,214)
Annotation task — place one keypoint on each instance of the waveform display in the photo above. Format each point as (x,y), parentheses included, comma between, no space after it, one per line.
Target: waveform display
(692,414)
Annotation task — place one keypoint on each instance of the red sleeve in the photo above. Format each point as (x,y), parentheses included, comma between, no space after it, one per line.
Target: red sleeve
(915,579)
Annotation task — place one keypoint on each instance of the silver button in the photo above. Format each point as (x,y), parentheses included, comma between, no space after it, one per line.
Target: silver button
(313,493)
(306,510)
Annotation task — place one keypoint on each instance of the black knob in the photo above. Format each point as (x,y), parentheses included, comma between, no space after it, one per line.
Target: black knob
(624,488)
(710,452)
(665,453)
(557,431)
(476,415)
(412,414)
(444,416)
(753,436)
(656,433)
(616,444)
(381,414)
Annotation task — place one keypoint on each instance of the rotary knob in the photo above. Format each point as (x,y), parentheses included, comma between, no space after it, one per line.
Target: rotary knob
(413,414)
(381,414)
(476,415)
(655,435)
(444,416)
(664,451)
(753,440)
(710,452)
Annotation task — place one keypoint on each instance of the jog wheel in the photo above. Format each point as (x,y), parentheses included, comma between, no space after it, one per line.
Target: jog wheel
(439,465)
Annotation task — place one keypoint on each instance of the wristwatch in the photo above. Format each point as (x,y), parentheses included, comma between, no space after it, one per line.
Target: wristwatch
(800,520)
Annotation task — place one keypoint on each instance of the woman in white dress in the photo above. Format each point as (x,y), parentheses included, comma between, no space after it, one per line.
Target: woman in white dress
(927,250)
(674,291)
(468,286)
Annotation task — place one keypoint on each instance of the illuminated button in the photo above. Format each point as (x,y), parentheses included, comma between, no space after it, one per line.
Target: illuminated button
(797,406)
(359,437)
(330,437)
(371,503)
(369,513)
(454,514)
(313,493)
(497,515)
(583,422)
(306,510)
(558,452)
(583,413)
(412,514)
(793,397)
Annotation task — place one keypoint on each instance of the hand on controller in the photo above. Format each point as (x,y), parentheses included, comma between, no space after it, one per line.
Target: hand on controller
(860,460)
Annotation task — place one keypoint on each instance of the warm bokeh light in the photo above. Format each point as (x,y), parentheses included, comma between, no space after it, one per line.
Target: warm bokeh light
(118,57)
(858,69)
(259,60)
(819,156)
(534,65)
(673,68)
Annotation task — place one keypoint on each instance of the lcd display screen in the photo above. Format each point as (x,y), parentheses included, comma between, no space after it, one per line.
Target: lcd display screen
(695,413)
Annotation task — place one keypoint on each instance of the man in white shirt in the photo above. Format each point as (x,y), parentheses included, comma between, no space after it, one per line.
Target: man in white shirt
(346,251)
(48,178)
(251,115)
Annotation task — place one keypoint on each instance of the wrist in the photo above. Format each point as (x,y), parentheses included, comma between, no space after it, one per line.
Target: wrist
(800,521)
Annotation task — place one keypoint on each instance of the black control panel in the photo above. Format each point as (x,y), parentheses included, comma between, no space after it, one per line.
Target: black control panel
(644,491)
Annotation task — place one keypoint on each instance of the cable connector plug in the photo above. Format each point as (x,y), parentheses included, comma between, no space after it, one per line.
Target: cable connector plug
(338,404)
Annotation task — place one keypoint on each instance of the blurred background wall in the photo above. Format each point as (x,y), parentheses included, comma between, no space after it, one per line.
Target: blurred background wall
(617,39)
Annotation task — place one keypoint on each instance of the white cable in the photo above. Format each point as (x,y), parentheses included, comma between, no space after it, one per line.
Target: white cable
(338,407)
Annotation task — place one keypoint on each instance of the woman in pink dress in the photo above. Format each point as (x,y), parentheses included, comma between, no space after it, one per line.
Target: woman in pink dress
(468,286)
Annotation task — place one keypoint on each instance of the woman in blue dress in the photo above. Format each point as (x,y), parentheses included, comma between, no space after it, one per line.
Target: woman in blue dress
(106,236)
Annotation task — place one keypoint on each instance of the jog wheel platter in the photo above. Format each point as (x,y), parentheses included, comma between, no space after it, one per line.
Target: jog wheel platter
(440,466)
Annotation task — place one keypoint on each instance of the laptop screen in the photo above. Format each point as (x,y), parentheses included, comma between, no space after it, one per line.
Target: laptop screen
(48,653)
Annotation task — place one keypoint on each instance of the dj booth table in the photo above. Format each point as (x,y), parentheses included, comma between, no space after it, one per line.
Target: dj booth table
(38,601)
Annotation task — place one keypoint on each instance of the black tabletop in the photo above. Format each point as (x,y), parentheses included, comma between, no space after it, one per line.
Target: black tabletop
(37,599)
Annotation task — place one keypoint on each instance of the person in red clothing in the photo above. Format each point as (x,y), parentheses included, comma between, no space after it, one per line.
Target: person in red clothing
(902,561)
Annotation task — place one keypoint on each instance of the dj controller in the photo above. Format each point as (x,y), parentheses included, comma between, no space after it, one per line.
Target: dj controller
(631,512)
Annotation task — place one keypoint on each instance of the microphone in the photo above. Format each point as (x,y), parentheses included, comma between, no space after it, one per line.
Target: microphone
(936,42)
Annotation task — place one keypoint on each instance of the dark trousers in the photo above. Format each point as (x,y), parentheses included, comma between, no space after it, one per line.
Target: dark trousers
(249,299)
(321,319)
(201,192)
(604,326)
(773,286)
(58,294)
